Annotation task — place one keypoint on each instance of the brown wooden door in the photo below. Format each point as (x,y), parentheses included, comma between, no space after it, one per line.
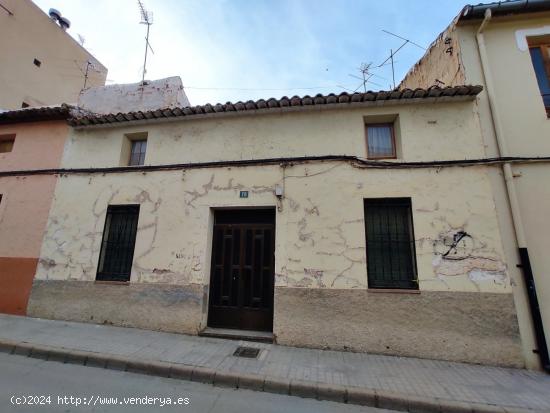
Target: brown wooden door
(242,274)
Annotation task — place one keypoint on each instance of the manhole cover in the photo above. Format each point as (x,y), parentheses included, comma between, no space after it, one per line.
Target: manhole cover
(248,352)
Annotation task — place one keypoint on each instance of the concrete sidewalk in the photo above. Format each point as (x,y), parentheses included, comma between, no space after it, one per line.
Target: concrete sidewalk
(397,383)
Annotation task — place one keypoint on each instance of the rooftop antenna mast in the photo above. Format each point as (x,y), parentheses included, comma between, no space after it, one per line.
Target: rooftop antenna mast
(366,75)
(147,19)
(88,65)
(393,53)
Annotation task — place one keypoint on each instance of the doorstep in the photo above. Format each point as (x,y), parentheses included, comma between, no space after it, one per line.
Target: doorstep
(232,334)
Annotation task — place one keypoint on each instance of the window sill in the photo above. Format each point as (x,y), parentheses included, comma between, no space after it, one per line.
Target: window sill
(393,290)
(112,282)
(383,158)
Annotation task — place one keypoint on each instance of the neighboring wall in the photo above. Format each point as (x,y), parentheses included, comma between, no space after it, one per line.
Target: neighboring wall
(25,206)
(29,34)
(464,310)
(526,130)
(442,62)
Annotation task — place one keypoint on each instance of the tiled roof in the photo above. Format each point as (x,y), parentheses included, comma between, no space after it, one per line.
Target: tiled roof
(59,112)
(295,102)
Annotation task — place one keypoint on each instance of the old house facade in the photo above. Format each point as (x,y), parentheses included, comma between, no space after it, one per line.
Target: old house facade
(364,222)
(504,46)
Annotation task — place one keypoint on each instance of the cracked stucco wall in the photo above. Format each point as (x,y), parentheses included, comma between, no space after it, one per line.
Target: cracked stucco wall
(320,227)
(320,238)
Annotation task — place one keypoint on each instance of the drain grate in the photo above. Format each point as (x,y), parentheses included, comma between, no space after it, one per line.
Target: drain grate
(248,352)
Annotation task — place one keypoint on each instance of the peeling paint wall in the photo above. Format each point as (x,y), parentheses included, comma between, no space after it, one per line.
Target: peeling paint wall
(320,235)
(320,229)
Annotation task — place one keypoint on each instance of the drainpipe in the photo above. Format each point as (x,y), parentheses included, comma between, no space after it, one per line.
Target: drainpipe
(525,263)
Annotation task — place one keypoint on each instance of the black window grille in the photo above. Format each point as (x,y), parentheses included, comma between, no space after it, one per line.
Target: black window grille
(137,155)
(391,257)
(119,239)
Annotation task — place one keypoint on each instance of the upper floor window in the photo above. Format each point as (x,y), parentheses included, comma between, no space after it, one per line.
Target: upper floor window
(6,142)
(380,141)
(137,152)
(391,256)
(539,48)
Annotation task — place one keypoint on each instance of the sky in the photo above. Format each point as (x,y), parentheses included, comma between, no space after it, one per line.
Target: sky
(231,50)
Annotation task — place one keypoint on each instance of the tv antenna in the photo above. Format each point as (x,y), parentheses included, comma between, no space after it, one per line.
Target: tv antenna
(88,65)
(147,19)
(366,75)
(393,53)
(86,72)
(81,39)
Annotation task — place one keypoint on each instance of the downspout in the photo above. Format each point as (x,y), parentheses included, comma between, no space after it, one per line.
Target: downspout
(525,263)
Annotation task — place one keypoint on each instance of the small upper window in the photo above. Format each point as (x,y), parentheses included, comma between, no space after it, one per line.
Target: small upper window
(539,48)
(137,152)
(37,62)
(24,105)
(6,143)
(380,141)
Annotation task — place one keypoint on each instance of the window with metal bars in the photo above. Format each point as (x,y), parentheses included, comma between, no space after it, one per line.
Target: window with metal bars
(117,246)
(391,257)
(137,153)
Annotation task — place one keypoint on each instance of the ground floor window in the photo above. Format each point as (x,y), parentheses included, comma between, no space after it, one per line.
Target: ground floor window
(119,239)
(390,243)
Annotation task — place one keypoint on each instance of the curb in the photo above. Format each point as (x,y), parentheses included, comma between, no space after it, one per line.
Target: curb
(301,388)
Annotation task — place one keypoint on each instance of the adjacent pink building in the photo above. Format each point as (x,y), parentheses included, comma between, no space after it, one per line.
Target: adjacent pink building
(30,139)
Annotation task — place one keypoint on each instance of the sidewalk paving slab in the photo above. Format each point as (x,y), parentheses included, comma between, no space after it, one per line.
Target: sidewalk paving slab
(398,383)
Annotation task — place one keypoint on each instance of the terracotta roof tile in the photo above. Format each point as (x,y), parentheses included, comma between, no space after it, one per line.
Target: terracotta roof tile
(78,117)
(37,114)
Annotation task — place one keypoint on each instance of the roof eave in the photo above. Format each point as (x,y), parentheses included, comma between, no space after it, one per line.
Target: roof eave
(477,12)
(273,111)
(40,114)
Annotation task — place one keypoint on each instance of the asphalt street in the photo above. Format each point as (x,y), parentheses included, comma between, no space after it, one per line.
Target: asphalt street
(33,385)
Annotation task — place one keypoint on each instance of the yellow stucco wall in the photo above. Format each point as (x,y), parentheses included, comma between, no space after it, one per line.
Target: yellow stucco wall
(525,129)
(320,230)
(463,311)
(30,34)
(426,132)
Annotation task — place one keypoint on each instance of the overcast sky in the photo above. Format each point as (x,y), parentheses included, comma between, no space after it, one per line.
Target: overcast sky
(230,50)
